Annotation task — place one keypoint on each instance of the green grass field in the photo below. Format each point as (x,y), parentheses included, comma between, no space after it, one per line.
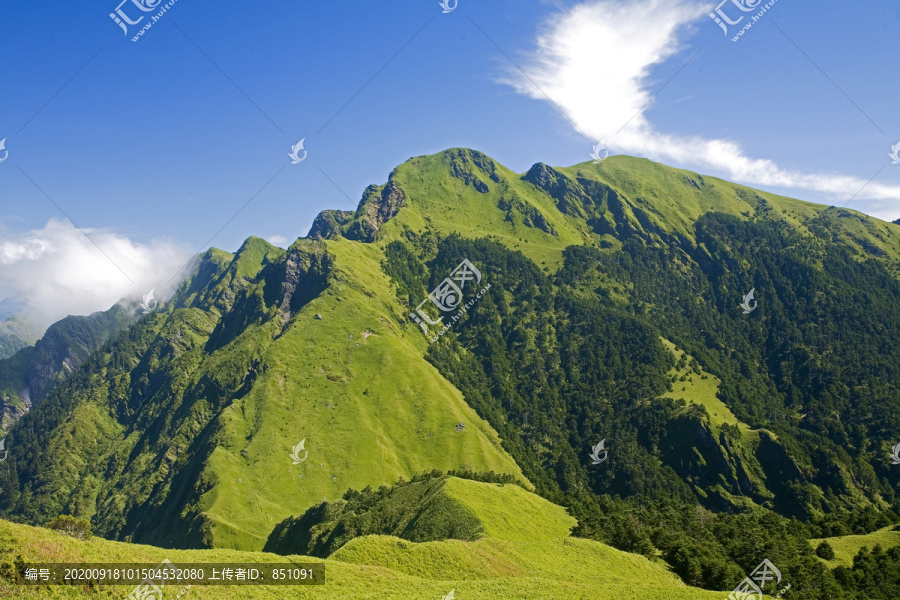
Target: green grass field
(846,546)
(698,388)
(526,552)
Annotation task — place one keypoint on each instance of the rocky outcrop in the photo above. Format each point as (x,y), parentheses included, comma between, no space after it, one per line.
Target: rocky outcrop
(529,215)
(464,163)
(571,196)
(329,224)
(305,274)
(377,207)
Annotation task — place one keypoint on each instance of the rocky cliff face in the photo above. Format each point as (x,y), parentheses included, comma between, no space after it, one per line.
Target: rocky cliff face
(329,224)
(377,207)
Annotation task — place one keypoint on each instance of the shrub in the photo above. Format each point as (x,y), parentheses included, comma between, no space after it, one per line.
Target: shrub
(69,525)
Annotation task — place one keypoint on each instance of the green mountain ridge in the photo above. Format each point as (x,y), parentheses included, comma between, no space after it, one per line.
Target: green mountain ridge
(612,314)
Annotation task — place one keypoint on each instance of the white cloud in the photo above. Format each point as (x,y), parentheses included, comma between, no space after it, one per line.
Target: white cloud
(56,271)
(602,95)
(277,240)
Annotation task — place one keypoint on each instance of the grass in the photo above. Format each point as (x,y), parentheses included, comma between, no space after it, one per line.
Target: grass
(698,388)
(672,199)
(443,203)
(526,552)
(371,409)
(847,546)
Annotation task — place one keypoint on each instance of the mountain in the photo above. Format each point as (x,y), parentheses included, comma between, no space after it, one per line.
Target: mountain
(595,303)
(29,374)
(15,334)
(179,432)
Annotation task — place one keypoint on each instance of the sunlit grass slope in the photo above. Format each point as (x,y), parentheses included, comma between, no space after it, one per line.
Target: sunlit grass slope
(847,546)
(697,386)
(370,408)
(655,198)
(526,553)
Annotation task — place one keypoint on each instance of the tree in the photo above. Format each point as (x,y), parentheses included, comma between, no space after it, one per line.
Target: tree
(824,550)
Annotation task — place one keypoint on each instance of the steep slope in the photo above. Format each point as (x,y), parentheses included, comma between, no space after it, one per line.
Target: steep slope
(180,432)
(591,268)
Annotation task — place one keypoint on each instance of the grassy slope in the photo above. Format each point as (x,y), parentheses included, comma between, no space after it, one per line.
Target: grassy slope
(667,195)
(438,201)
(699,389)
(846,546)
(370,408)
(676,203)
(527,553)
(368,412)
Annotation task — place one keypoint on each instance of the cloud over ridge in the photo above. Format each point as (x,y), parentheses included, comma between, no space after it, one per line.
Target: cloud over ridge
(605,98)
(56,271)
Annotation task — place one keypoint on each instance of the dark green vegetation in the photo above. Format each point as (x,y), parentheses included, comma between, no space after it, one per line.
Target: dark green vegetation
(612,314)
(824,550)
(417,511)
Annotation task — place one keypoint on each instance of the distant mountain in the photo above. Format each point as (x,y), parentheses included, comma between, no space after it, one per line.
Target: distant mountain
(15,334)
(30,373)
(735,352)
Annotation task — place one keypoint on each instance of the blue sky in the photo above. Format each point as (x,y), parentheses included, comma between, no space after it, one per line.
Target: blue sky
(152,146)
